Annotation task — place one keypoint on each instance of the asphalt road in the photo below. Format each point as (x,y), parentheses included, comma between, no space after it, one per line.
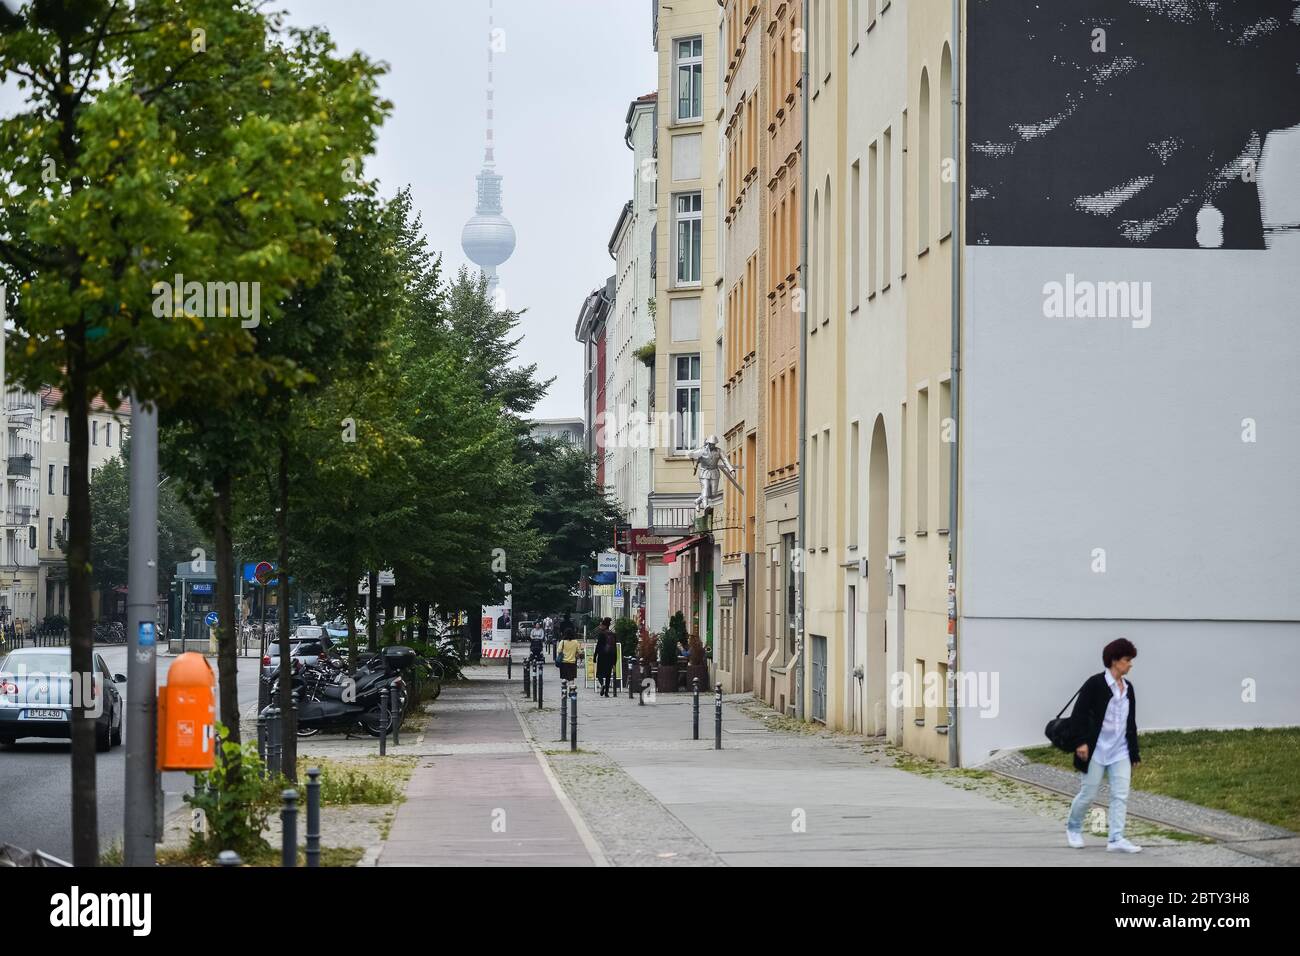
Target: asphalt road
(36,776)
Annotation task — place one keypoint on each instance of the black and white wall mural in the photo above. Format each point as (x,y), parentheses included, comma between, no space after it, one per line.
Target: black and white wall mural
(1131,123)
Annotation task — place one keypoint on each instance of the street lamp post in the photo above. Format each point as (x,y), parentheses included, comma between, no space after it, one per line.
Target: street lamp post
(138,846)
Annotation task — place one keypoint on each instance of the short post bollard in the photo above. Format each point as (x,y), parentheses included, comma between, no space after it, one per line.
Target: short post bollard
(540,668)
(395,708)
(528,673)
(383,724)
(229,858)
(573,717)
(636,662)
(564,709)
(717,718)
(289,829)
(510,665)
(313,816)
(640,688)
(274,743)
(695,708)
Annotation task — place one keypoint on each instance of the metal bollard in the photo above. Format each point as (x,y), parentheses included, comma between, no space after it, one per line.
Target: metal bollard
(313,816)
(528,675)
(573,717)
(396,708)
(540,668)
(274,743)
(383,724)
(510,665)
(564,709)
(636,661)
(695,708)
(640,690)
(289,829)
(717,719)
(229,858)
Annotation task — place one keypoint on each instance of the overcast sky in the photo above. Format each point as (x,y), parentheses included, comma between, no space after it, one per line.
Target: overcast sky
(563,84)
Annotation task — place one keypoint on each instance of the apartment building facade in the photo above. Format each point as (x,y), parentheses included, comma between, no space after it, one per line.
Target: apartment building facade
(1020,442)
(824,653)
(20,585)
(742,208)
(632,330)
(686,40)
(109,427)
(782,306)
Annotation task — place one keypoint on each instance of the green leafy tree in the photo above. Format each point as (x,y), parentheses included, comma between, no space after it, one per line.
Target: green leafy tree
(573,518)
(155,139)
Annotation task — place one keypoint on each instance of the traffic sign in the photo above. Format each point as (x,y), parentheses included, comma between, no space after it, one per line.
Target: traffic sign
(262,573)
(210,619)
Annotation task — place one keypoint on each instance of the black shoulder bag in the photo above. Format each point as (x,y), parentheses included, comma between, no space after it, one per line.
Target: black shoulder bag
(1058,729)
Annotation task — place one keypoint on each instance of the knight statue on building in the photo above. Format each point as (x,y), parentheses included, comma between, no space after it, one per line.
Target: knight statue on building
(711,464)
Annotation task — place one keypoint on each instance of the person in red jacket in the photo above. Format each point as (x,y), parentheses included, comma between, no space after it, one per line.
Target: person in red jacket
(1104,722)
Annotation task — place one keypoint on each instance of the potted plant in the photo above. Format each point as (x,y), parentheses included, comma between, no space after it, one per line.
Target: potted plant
(666,678)
(698,668)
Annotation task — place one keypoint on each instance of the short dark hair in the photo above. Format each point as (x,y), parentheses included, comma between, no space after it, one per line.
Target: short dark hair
(1116,649)
(605,621)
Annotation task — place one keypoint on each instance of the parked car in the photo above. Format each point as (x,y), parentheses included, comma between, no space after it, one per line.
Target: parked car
(36,696)
(308,632)
(302,652)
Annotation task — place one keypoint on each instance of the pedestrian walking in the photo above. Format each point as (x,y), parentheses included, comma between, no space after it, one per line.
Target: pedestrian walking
(606,656)
(569,654)
(537,641)
(1104,727)
(548,626)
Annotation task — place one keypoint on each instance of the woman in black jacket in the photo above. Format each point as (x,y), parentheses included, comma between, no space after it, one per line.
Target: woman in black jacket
(1104,723)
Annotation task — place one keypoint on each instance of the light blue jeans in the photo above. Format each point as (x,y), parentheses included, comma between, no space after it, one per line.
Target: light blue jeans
(1120,773)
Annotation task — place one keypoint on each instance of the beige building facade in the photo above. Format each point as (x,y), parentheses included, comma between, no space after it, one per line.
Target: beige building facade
(743,199)
(782,103)
(687,268)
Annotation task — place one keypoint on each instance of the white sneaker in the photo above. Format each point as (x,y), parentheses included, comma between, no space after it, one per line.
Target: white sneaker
(1074,839)
(1123,846)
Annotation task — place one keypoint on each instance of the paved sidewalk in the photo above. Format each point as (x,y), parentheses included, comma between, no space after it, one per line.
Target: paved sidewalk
(652,795)
(481,795)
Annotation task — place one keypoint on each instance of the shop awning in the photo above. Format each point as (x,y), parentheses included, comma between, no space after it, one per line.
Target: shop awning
(677,547)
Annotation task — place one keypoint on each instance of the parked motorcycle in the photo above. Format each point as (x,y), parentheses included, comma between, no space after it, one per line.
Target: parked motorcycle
(342,707)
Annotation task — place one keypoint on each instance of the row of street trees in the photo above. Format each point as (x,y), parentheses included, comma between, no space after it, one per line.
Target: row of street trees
(363,413)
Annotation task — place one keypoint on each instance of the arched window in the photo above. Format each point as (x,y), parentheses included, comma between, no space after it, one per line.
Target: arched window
(815,255)
(947,161)
(828,254)
(924,174)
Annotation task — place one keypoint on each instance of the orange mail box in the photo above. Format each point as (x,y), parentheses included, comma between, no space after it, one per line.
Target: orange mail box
(187,713)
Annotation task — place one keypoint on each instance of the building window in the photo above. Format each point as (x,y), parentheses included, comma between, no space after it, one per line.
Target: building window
(51,479)
(787,562)
(923,173)
(65,481)
(65,540)
(690,76)
(690,220)
(922,458)
(855,234)
(686,391)
(853,485)
(31,536)
(108,434)
(947,161)
(946,439)
(94,433)
(66,437)
(886,206)
(49,538)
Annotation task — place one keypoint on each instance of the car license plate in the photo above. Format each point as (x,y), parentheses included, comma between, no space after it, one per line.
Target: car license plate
(44,715)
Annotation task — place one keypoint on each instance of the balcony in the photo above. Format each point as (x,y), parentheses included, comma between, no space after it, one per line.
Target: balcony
(20,466)
(18,517)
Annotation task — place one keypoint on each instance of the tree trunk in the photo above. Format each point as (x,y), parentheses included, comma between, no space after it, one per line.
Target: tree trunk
(289,731)
(85,817)
(424,622)
(227,625)
(372,612)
